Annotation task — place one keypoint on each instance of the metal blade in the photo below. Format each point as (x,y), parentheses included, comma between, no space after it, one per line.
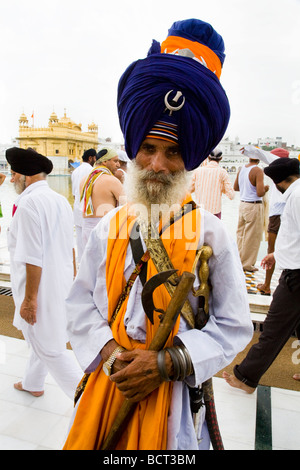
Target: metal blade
(149,288)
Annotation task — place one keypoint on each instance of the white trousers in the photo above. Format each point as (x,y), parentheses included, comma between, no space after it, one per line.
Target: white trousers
(78,231)
(61,365)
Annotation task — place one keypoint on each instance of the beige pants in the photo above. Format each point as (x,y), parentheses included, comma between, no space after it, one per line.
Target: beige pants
(249,233)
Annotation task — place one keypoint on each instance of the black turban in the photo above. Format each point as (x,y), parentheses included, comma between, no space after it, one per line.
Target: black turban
(27,161)
(281,168)
(89,153)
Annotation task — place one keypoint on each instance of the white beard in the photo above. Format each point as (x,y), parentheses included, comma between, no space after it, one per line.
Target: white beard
(155,194)
(20,185)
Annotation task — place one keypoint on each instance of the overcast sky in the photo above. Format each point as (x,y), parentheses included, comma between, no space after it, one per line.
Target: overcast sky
(70,54)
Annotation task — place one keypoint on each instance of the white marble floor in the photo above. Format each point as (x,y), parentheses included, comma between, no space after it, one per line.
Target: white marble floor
(28,423)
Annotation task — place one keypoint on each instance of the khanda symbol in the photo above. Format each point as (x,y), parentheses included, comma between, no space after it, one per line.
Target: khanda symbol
(174,101)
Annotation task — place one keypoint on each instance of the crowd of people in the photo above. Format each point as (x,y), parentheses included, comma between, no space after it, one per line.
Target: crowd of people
(135,219)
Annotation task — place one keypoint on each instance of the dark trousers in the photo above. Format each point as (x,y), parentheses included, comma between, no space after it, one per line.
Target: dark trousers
(282,320)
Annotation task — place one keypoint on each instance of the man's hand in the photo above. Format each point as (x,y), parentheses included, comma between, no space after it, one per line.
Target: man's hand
(140,376)
(268,261)
(28,311)
(28,308)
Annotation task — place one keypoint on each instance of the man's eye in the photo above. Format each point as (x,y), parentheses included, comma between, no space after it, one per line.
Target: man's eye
(173,152)
(148,148)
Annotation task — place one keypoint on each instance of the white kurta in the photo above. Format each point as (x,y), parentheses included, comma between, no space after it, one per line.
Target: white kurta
(41,233)
(78,174)
(228,331)
(287,245)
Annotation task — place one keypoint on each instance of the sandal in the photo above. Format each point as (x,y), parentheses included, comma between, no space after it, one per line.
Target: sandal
(262,291)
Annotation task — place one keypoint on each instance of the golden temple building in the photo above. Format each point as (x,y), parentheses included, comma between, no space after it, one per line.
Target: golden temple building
(62,138)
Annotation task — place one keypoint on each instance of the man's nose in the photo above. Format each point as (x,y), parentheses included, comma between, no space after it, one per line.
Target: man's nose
(158,162)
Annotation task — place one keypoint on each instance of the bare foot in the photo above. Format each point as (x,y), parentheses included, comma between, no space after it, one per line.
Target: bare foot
(236,383)
(18,386)
(296,376)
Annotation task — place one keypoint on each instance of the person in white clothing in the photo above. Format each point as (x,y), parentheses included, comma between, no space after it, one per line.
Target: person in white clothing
(40,242)
(158,98)
(276,206)
(88,160)
(124,161)
(283,318)
(250,183)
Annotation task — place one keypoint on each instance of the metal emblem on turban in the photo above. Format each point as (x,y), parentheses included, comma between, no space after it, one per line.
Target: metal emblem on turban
(172,107)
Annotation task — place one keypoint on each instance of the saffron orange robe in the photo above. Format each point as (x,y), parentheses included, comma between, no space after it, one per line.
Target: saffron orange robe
(101,400)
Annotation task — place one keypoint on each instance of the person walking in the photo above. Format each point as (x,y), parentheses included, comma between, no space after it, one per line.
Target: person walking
(210,182)
(276,206)
(283,317)
(40,243)
(250,183)
(100,191)
(88,160)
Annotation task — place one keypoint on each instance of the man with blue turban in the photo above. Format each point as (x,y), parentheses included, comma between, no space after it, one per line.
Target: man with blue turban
(173,112)
(179,82)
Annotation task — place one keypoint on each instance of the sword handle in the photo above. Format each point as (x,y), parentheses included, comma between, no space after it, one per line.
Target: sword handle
(176,303)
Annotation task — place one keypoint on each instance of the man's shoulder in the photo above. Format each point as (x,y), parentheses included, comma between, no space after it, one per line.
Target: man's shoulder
(82,170)
(256,169)
(44,196)
(109,179)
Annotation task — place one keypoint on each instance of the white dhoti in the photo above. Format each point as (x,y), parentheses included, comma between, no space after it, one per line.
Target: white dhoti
(88,224)
(61,365)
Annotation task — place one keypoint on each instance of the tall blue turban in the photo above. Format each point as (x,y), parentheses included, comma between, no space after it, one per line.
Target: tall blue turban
(148,92)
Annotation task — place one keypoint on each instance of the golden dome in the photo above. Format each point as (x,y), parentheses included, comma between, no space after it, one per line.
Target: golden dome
(93,127)
(53,117)
(23,118)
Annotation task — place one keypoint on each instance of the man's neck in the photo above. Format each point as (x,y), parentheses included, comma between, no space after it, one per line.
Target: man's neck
(34,179)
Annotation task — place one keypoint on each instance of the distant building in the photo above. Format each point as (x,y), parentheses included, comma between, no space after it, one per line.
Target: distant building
(273,142)
(62,141)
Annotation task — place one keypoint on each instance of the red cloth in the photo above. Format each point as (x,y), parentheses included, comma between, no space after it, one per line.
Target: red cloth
(282,153)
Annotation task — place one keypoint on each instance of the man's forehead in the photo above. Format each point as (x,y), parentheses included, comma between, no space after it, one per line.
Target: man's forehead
(160,143)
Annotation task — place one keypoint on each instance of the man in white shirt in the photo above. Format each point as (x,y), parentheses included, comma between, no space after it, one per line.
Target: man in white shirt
(284,314)
(40,242)
(88,160)
(276,206)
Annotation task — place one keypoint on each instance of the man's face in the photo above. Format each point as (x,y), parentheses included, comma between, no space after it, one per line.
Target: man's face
(113,164)
(92,160)
(19,182)
(157,175)
(280,188)
(160,156)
